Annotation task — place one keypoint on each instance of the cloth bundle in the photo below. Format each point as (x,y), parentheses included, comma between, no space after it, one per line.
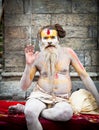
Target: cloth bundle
(83,101)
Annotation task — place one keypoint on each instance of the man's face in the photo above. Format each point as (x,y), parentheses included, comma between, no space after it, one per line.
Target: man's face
(49,38)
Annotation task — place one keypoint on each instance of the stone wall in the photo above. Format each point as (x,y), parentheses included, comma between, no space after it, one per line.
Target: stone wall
(78,17)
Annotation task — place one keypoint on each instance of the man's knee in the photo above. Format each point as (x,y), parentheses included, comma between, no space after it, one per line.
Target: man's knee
(65,112)
(65,115)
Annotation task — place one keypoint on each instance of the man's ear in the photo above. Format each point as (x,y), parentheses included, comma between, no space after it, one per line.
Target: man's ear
(60,30)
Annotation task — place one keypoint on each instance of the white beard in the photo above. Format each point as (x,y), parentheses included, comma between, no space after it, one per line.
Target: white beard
(50,59)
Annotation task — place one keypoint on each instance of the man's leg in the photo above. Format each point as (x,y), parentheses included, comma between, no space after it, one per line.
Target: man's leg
(62,111)
(32,111)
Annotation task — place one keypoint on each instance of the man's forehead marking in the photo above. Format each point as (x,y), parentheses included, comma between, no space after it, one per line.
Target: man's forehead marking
(48,32)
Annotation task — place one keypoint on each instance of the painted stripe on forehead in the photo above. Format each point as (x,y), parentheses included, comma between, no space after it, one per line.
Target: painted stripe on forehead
(48,32)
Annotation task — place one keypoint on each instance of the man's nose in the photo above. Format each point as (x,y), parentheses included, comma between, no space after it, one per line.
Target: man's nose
(49,43)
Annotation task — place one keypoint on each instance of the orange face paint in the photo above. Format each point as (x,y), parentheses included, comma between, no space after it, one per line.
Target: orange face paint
(46,33)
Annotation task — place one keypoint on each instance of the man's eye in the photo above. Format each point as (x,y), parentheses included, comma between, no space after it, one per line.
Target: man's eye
(45,37)
(52,37)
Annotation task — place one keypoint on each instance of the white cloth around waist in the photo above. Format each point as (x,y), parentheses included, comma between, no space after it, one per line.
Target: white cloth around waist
(47,98)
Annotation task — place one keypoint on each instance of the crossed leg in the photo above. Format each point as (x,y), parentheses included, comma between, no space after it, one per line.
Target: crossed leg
(62,111)
(32,111)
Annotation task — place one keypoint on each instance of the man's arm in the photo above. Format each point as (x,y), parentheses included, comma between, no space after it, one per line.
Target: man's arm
(89,84)
(27,77)
(30,68)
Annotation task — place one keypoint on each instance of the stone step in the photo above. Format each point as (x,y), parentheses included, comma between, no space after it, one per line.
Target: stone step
(73,74)
(11,89)
(13,75)
(8,76)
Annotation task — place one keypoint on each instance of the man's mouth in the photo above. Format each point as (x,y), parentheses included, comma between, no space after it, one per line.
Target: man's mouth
(50,46)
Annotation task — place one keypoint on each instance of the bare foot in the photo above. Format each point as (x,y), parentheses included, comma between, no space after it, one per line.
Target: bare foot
(19,108)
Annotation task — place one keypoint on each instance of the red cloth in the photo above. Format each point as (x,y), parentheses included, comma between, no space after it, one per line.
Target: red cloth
(17,121)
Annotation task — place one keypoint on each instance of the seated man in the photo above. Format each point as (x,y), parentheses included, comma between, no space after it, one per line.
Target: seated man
(50,96)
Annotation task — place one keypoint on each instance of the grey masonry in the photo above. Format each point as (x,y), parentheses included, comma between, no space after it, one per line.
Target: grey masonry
(78,17)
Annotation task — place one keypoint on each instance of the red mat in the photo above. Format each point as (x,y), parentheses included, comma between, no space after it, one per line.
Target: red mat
(17,121)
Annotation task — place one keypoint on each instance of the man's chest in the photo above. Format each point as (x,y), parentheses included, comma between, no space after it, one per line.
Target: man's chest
(61,65)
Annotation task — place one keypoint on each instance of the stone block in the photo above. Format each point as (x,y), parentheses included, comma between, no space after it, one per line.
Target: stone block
(18,44)
(84,6)
(13,69)
(92,69)
(40,20)
(14,59)
(92,31)
(75,19)
(48,6)
(81,19)
(59,18)
(95,57)
(11,90)
(17,20)
(13,6)
(17,32)
(79,43)
(76,31)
